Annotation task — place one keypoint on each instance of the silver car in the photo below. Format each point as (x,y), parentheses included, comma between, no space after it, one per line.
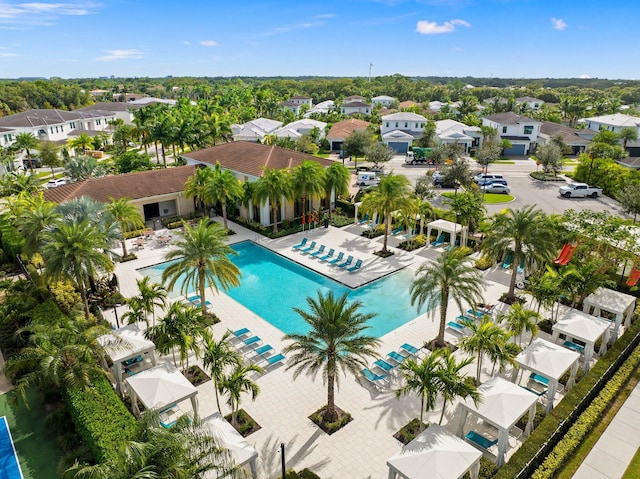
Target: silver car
(496,188)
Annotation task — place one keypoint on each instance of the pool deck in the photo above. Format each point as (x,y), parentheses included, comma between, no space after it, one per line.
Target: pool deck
(361,449)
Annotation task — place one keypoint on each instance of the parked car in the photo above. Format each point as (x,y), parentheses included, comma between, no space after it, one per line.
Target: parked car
(488,176)
(55,182)
(29,163)
(579,190)
(490,182)
(367,179)
(496,188)
(439,179)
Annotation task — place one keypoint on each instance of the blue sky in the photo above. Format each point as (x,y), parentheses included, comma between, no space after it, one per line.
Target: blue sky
(488,38)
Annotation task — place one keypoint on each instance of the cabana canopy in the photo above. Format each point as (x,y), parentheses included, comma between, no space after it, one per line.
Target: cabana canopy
(586,328)
(503,404)
(124,344)
(448,227)
(620,304)
(550,361)
(160,387)
(241,451)
(435,453)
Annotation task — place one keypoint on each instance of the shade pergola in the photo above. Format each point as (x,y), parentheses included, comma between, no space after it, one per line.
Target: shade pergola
(586,328)
(503,404)
(620,304)
(550,361)
(435,453)
(241,451)
(160,387)
(123,344)
(444,226)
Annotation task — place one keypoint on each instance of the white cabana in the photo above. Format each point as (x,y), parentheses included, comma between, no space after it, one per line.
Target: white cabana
(444,226)
(126,345)
(160,388)
(503,404)
(586,328)
(548,362)
(607,300)
(435,453)
(241,451)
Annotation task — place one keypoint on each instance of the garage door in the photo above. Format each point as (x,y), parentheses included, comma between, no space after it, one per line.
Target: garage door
(515,150)
(399,147)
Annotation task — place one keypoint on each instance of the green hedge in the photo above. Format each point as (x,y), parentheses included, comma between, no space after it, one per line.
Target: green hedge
(564,414)
(101,418)
(566,447)
(47,313)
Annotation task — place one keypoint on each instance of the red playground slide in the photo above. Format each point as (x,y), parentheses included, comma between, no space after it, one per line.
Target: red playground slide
(634,277)
(565,254)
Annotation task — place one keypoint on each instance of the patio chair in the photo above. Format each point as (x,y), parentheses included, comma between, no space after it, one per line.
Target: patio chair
(507,261)
(273,360)
(410,349)
(317,252)
(455,327)
(264,349)
(382,364)
(337,259)
(311,247)
(364,220)
(193,297)
(477,314)
(396,356)
(573,346)
(301,244)
(539,379)
(439,240)
(373,378)
(480,440)
(238,333)
(398,230)
(355,267)
(198,304)
(327,256)
(251,340)
(346,263)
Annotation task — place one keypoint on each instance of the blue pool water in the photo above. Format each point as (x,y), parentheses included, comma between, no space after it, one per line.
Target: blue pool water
(271,286)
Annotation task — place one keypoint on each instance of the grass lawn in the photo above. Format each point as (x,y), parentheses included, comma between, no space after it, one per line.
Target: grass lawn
(503,162)
(633,471)
(36,445)
(493,198)
(322,155)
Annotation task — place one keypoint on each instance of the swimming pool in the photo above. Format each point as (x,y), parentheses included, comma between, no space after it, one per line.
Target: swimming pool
(271,286)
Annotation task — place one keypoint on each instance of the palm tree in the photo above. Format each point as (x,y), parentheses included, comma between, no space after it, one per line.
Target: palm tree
(273,186)
(336,179)
(15,183)
(152,296)
(520,319)
(237,382)
(82,141)
(49,154)
(393,193)
(26,142)
(452,275)
(76,251)
(202,258)
(485,336)
(423,379)
(308,182)
(136,312)
(127,216)
(628,134)
(453,382)
(196,185)
(335,341)
(526,234)
(218,356)
(34,218)
(223,187)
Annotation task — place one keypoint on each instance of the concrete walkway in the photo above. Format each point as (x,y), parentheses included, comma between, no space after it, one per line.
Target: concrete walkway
(613,452)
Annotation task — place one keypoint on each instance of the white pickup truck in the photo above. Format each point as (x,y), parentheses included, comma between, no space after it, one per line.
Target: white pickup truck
(579,190)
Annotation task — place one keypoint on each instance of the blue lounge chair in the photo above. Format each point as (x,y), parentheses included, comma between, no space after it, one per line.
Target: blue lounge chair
(241,332)
(480,440)
(477,314)
(264,349)
(364,220)
(539,379)
(537,393)
(327,256)
(278,358)
(464,319)
(396,356)
(193,297)
(382,364)
(521,267)
(346,263)
(439,240)
(507,261)
(337,259)
(317,252)
(410,349)
(573,346)
(301,244)
(252,340)
(129,362)
(355,266)
(398,230)
(456,327)
(373,378)
(311,247)
(198,303)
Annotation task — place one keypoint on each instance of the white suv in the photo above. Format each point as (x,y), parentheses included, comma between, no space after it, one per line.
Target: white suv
(56,182)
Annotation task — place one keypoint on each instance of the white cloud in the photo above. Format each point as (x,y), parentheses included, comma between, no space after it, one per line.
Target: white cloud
(8,55)
(558,24)
(292,27)
(209,43)
(121,55)
(426,27)
(41,13)
(187,42)
(584,76)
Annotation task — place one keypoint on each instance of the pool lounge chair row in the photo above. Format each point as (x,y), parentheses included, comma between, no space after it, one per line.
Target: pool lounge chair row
(262,351)
(328,257)
(396,357)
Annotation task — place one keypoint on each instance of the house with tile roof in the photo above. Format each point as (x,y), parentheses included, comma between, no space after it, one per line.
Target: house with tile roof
(353,107)
(616,123)
(247,161)
(341,130)
(399,130)
(254,130)
(295,103)
(451,131)
(578,140)
(520,130)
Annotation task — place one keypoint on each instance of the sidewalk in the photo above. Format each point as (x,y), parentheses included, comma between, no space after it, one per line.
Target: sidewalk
(613,452)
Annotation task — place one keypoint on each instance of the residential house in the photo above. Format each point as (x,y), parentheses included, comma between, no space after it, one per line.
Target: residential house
(124,110)
(521,131)
(578,140)
(451,131)
(530,102)
(616,122)
(247,161)
(351,98)
(296,129)
(355,106)
(435,106)
(408,104)
(156,193)
(255,130)
(341,130)
(383,100)
(322,108)
(295,103)
(398,130)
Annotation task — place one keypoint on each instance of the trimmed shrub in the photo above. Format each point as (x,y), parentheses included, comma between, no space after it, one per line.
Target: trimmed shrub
(101,418)
(47,313)
(484,262)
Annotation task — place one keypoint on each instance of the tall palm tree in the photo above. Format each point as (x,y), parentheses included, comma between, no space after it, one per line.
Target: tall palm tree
(27,142)
(127,216)
(308,182)
(136,312)
(33,220)
(520,319)
(217,357)
(336,179)
(423,379)
(452,275)
(453,382)
(237,382)
(196,185)
(393,193)
(526,234)
(223,187)
(152,296)
(273,186)
(485,336)
(14,183)
(336,341)
(82,141)
(628,134)
(76,251)
(202,259)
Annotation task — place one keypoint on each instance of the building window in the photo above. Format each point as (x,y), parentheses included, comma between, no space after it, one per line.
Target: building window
(97,121)
(51,130)
(387,124)
(396,124)
(72,124)
(528,130)
(504,129)
(406,124)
